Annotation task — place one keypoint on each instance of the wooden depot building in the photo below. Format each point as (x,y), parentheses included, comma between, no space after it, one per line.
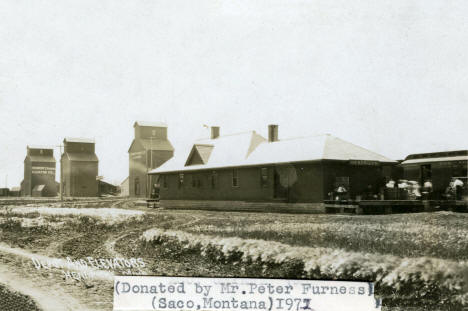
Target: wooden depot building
(246,167)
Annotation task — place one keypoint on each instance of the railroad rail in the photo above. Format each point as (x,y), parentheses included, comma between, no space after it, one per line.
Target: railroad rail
(24,201)
(393,206)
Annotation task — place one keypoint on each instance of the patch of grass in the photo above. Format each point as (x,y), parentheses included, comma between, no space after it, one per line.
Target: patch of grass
(441,235)
(36,237)
(91,234)
(400,281)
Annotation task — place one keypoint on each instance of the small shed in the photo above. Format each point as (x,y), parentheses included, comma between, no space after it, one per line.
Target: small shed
(38,191)
(15,192)
(124,188)
(107,188)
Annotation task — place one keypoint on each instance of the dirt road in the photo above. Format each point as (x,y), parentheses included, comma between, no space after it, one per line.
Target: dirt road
(49,288)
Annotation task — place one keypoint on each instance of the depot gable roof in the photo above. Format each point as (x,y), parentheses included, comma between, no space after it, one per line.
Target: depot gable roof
(251,149)
(200,154)
(311,148)
(227,150)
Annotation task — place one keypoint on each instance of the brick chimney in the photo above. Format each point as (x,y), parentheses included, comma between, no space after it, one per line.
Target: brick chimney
(214,132)
(272,133)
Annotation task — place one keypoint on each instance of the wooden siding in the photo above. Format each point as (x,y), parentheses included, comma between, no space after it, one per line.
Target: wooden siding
(307,186)
(360,176)
(79,178)
(306,208)
(32,179)
(307,182)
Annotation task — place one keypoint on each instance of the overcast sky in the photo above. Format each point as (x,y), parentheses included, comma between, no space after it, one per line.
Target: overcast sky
(391,76)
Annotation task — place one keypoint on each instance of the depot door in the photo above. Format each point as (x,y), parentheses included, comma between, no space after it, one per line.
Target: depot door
(426,173)
(280,190)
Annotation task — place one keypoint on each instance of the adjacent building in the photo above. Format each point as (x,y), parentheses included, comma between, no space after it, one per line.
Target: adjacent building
(149,149)
(249,167)
(124,188)
(107,188)
(15,192)
(79,168)
(438,167)
(39,172)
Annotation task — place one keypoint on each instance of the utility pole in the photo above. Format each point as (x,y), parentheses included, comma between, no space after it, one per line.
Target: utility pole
(147,176)
(151,145)
(148,179)
(151,161)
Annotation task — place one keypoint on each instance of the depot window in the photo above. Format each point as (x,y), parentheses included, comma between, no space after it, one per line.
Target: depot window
(235,178)
(181,180)
(196,181)
(214,179)
(264,177)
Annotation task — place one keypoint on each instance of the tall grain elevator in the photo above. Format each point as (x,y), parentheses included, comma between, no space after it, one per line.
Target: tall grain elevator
(79,168)
(39,172)
(149,149)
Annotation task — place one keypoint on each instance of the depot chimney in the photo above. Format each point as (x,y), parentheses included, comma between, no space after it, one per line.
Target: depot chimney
(272,133)
(214,132)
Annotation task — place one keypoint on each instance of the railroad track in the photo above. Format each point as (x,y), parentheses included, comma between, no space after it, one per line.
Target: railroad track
(75,201)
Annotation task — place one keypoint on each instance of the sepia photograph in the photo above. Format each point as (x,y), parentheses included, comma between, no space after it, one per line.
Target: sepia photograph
(228,155)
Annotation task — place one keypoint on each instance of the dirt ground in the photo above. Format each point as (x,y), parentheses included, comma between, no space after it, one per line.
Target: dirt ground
(51,289)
